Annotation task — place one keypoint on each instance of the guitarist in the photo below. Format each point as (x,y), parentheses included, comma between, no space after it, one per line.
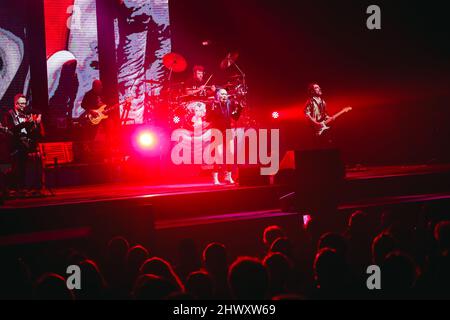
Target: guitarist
(92,100)
(99,114)
(316,113)
(25,128)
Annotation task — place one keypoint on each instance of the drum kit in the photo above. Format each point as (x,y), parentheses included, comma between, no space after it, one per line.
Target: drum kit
(187,106)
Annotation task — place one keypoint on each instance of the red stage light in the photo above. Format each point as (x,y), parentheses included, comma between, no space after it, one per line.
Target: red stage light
(146,140)
(306,220)
(275,115)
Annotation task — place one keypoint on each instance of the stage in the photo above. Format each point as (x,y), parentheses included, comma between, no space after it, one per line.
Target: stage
(163,215)
(408,180)
(119,191)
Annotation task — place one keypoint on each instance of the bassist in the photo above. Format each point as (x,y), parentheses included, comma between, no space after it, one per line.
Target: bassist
(92,100)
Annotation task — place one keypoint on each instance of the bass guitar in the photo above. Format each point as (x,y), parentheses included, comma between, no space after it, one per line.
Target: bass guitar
(95,116)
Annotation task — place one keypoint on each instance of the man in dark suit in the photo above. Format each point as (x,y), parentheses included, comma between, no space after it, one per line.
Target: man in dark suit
(25,128)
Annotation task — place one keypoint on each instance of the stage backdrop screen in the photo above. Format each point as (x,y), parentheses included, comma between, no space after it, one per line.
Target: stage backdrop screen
(142,39)
(14,59)
(72,54)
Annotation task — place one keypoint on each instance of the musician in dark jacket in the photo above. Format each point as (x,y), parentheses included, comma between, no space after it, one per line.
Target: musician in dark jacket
(92,100)
(220,114)
(25,128)
(317,115)
(316,107)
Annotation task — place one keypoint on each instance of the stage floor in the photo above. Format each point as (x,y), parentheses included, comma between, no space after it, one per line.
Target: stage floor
(136,209)
(104,192)
(115,191)
(362,172)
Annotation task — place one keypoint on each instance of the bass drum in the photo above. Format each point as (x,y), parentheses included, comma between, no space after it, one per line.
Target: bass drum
(195,116)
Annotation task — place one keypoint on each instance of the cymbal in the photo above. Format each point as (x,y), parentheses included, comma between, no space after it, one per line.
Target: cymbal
(229,60)
(174,61)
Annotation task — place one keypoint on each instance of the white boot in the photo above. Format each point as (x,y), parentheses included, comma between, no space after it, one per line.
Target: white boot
(216,179)
(228,177)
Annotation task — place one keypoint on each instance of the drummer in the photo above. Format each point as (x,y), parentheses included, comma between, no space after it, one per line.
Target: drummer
(196,85)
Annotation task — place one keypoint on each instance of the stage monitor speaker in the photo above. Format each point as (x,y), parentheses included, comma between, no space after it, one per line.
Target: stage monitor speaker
(319,177)
(56,152)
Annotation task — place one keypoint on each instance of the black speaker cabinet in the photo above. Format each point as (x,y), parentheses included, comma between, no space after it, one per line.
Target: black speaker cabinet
(319,177)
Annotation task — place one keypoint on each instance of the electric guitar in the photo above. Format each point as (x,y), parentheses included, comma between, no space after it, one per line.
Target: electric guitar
(96,116)
(324,125)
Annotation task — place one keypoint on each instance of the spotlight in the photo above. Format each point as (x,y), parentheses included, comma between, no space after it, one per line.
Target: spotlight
(275,115)
(176,119)
(146,140)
